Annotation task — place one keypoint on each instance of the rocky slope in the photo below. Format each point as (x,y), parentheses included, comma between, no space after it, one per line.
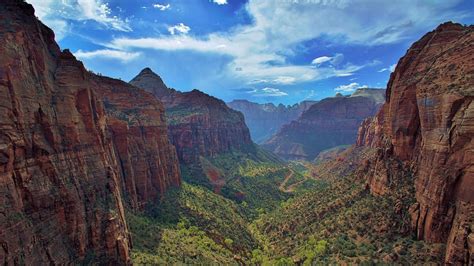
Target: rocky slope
(199,124)
(329,123)
(67,164)
(264,120)
(426,127)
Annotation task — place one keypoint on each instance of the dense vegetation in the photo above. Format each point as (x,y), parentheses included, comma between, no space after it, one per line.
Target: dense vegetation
(189,225)
(255,209)
(341,221)
(250,179)
(206,219)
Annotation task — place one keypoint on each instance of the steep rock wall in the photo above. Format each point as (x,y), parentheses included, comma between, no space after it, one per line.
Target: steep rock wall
(60,195)
(199,124)
(427,123)
(74,147)
(148,163)
(326,124)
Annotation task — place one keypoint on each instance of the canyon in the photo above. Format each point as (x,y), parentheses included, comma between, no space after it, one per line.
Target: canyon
(95,170)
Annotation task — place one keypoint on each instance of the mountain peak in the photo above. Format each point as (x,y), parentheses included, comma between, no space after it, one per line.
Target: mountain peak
(150,81)
(147,70)
(449,25)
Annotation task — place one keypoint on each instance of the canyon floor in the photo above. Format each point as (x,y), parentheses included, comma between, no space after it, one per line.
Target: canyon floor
(289,213)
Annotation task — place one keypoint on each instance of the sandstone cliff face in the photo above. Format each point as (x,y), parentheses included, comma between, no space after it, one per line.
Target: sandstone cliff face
(147,161)
(427,123)
(63,168)
(329,123)
(59,193)
(199,124)
(264,120)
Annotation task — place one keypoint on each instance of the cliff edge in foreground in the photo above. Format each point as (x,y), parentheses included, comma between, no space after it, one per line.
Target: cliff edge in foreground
(427,125)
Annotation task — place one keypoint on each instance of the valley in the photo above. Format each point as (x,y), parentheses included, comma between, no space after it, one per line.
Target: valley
(96,170)
(326,220)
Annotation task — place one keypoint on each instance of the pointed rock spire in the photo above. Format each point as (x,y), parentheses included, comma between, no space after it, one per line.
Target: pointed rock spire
(150,81)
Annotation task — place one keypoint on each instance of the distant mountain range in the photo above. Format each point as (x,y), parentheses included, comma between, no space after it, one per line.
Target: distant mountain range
(264,120)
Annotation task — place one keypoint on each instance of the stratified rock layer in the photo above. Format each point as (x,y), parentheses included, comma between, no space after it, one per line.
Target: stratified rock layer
(199,124)
(427,123)
(148,163)
(326,124)
(59,192)
(63,156)
(264,120)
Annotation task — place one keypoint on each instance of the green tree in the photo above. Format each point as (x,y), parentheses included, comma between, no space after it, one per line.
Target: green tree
(228,242)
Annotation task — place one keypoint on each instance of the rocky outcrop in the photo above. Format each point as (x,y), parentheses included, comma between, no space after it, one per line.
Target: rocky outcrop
(427,127)
(157,87)
(329,123)
(199,124)
(65,138)
(148,163)
(264,120)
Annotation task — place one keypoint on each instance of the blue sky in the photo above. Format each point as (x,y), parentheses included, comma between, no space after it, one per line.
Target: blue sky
(281,51)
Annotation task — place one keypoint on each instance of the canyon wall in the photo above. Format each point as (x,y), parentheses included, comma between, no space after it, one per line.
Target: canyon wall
(427,127)
(328,123)
(148,163)
(199,124)
(71,151)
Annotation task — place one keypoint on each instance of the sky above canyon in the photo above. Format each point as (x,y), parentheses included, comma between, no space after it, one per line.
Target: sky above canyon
(280,51)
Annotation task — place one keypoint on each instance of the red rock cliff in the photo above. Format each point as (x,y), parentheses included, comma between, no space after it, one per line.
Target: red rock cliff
(148,163)
(427,123)
(326,124)
(199,124)
(66,162)
(60,194)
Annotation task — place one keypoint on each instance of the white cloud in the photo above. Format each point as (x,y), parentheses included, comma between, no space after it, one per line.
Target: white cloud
(250,59)
(259,51)
(107,53)
(284,80)
(350,21)
(220,2)
(180,28)
(61,27)
(390,68)
(333,60)
(268,92)
(337,59)
(350,87)
(57,13)
(320,60)
(162,7)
